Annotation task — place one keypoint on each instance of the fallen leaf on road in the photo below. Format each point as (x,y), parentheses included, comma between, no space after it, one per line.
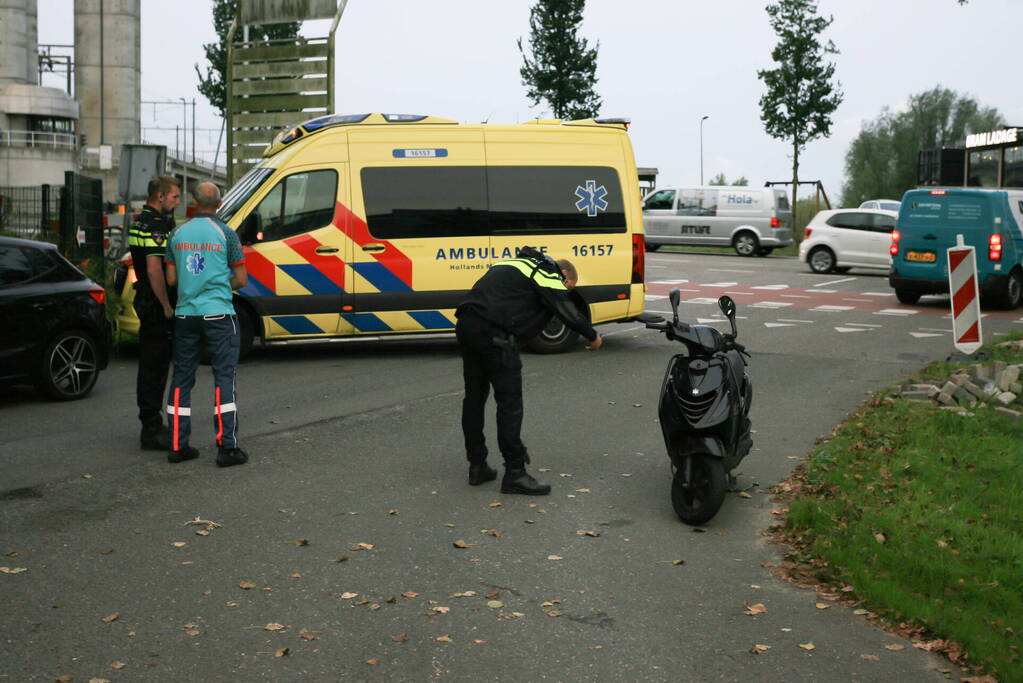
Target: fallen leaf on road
(231,603)
(300,542)
(555,557)
(496,505)
(760,649)
(202,532)
(678,562)
(895,647)
(341,558)
(491,532)
(582,490)
(440,609)
(822,605)
(870,658)
(478,641)
(13,570)
(112,617)
(192,633)
(296,575)
(495,604)
(178,544)
(698,530)
(860,612)
(564,475)
(273,626)
(743,494)
(807,646)
(757,608)
(348,595)
(246,585)
(64,678)
(374,606)
(410,594)
(465,594)
(374,662)
(444,639)
(283,652)
(99,680)
(592,534)
(392,511)
(362,546)
(400,638)
(117,665)
(462,544)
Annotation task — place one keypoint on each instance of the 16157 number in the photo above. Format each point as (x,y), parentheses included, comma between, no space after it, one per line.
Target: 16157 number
(592,249)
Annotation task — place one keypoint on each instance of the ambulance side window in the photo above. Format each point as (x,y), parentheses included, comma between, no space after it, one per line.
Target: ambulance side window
(299,203)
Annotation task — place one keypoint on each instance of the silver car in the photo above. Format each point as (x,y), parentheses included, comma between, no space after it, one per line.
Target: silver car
(753,221)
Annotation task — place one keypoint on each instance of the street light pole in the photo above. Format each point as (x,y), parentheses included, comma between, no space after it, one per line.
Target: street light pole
(701,148)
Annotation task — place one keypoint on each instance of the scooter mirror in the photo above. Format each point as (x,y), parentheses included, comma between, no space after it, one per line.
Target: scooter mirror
(727,307)
(674,296)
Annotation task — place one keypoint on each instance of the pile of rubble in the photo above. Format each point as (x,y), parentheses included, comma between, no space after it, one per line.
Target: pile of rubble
(996,383)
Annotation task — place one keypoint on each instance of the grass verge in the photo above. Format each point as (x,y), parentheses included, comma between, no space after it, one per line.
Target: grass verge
(791,250)
(917,513)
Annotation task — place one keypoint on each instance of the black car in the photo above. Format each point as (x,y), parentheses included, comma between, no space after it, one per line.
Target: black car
(53,325)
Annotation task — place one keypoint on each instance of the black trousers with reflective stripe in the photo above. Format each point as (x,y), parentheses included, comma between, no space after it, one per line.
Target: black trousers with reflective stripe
(484,364)
(155,335)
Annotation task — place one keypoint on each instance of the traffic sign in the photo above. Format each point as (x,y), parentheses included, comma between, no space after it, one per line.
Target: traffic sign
(962,284)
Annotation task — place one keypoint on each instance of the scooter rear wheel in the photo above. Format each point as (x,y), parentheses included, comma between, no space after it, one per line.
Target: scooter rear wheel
(699,499)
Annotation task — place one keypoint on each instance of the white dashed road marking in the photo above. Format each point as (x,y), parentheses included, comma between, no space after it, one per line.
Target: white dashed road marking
(770,304)
(795,296)
(920,335)
(787,320)
(862,325)
(770,287)
(852,329)
(896,311)
(729,270)
(779,324)
(834,309)
(720,284)
(834,282)
(876,293)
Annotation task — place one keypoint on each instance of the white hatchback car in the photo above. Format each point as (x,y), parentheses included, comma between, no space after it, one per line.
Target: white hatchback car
(886,204)
(839,239)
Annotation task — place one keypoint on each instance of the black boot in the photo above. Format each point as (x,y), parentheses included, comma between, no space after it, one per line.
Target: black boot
(481,473)
(154,438)
(517,480)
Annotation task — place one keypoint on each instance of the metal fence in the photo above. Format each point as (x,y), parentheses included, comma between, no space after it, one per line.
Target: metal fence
(35,138)
(32,212)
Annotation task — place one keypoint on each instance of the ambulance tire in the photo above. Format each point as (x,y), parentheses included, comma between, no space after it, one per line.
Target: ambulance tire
(247,330)
(558,337)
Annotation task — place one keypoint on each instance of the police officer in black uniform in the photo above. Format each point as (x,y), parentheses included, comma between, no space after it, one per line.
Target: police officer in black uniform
(510,304)
(154,306)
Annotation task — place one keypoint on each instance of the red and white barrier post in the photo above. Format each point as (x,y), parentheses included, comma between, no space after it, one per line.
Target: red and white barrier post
(962,284)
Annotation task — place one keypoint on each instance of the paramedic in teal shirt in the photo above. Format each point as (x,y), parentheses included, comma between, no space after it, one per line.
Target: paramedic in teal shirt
(204,259)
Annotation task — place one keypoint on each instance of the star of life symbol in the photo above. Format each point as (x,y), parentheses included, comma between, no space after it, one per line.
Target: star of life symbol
(591,198)
(196,263)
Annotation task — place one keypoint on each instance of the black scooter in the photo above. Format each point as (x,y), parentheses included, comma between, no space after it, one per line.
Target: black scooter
(704,412)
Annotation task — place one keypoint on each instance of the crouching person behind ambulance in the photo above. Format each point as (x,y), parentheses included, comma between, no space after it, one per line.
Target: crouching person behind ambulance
(204,257)
(511,303)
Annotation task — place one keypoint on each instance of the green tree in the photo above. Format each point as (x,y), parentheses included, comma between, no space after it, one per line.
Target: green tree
(882,160)
(801,95)
(224,12)
(560,68)
(720,179)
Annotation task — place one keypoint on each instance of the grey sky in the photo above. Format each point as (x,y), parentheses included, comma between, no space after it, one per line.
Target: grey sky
(662,63)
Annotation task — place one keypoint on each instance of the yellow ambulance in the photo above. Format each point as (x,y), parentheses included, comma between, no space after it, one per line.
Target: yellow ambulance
(376,225)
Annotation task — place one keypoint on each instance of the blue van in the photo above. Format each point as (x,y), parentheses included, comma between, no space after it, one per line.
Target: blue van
(929,220)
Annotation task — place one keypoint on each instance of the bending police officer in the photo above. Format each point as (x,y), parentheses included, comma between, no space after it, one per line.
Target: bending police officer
(512,302)
(153,305)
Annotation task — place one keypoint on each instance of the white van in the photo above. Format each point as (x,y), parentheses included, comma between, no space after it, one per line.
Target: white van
(752,220)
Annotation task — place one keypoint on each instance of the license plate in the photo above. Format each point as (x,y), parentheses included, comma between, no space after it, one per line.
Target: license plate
(924,256)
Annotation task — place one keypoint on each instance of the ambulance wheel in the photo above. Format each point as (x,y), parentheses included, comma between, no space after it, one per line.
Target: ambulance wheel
(698,499)
(557,337)
(246,331)
(1010,296)
(746,244)
(907,297)
(69,366)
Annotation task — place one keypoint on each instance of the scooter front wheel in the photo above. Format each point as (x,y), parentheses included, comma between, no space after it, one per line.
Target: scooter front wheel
(698,488)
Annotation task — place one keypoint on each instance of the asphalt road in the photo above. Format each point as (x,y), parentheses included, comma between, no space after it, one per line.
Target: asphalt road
(359,444)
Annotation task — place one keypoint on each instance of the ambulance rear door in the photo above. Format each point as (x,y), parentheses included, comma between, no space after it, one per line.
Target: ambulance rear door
(419,228)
